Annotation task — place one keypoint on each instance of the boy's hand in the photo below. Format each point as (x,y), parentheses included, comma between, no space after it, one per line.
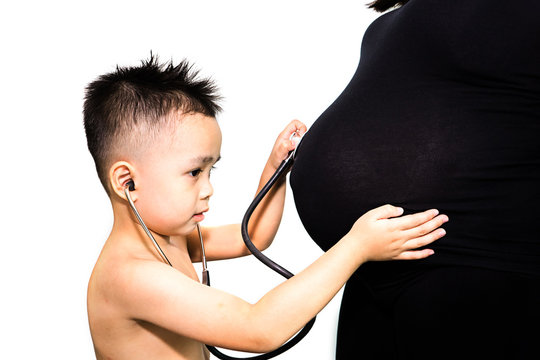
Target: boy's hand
(383,234)
(284,144)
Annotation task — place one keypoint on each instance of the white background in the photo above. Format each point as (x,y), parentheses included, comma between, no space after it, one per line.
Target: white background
(273,61)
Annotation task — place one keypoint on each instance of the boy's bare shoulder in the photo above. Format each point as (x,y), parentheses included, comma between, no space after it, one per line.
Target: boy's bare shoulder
(128,279)
(119,274)
(109,286)
(119,290)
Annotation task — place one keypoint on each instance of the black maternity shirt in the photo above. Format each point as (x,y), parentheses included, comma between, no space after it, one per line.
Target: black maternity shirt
(443,112)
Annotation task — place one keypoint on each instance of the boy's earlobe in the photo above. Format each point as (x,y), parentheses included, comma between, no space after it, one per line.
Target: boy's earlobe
(120,175)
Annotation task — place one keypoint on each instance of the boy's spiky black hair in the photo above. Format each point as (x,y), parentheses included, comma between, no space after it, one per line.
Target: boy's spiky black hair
(121,101)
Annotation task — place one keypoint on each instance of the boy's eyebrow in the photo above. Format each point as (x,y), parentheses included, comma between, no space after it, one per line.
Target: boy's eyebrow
(205,160)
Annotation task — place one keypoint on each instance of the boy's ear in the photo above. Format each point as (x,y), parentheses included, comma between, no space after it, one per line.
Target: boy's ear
(120,173)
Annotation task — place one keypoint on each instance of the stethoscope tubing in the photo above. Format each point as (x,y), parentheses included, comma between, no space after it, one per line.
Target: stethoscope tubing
(281,170)
(146,230)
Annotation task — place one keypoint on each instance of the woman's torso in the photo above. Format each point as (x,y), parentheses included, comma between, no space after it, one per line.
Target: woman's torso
(443,112)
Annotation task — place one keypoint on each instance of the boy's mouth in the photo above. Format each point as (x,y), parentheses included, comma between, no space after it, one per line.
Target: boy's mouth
(199,216)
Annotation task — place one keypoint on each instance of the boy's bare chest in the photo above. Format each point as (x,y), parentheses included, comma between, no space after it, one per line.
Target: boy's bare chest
(185,266)
(145,340)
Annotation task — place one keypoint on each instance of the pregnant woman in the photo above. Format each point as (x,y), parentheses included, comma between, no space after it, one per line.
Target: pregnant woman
(443,112)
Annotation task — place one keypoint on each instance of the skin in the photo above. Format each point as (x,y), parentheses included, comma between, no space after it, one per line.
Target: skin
(141,308)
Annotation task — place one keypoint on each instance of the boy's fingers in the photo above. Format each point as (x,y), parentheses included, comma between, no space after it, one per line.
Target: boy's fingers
(299,127)
(292,127)
(285,147)
(413,220)
(414,255)
(424,240)
(425,228)
(385,212)
(285,144)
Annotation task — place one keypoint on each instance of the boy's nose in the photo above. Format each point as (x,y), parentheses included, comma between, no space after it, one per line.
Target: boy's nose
(207,190)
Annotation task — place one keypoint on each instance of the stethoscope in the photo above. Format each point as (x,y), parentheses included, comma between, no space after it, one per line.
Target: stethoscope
(282,169)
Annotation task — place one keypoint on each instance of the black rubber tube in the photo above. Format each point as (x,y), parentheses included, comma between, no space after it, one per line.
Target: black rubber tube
(281,170)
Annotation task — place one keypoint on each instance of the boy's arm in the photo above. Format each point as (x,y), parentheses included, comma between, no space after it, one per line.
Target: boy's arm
(156,293)
(225,242)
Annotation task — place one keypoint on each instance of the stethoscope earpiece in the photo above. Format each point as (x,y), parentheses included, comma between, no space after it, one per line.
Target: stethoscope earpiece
(130,185)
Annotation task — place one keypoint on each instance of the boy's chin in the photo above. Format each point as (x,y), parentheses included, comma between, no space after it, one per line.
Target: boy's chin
(186,230)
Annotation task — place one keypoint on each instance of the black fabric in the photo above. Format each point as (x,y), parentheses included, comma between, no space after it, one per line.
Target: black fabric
(443,112)
(441,313)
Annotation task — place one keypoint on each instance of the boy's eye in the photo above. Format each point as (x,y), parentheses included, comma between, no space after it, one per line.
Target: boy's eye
(197,172)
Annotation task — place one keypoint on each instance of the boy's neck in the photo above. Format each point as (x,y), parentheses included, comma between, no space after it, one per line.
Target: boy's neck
(127,228)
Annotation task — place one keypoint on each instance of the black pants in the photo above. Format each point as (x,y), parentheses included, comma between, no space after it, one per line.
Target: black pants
(441,313)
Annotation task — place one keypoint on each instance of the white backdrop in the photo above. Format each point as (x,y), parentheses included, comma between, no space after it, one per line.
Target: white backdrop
(273,61)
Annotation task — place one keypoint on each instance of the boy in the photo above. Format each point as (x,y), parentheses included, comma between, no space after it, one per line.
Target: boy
(155,125)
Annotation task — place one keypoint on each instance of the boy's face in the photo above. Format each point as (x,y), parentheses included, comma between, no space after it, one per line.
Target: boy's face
(173,181)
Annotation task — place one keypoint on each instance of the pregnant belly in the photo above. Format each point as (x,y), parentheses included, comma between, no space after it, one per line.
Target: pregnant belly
(486,187)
